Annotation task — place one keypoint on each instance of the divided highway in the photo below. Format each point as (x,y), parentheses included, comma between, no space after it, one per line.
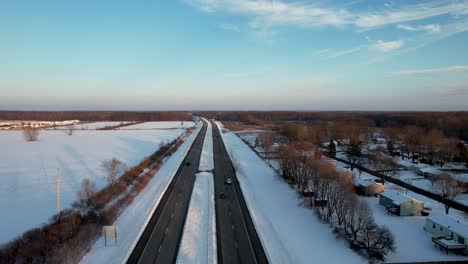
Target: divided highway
(160,241)
(237,239)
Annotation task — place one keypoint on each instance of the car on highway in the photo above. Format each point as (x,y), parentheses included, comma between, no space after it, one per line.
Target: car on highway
(188,163)
(229,181)
(222,195)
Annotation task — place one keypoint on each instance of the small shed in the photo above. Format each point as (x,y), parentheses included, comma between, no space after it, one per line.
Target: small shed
(400,204)
(449,232)
(367,187)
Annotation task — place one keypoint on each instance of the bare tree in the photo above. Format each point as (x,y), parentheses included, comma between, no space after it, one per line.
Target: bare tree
(31,134)
(447,187)
(266,139)
(111,169)
(377,241)
(70,130)
(340,187)
(87,190)
(358,219)
(383,165)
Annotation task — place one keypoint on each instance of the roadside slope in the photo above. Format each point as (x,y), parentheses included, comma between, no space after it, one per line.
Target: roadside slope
(289,232)
(133,220)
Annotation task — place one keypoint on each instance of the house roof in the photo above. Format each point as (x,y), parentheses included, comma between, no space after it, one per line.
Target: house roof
(365,183)
(454,224)
(397,197)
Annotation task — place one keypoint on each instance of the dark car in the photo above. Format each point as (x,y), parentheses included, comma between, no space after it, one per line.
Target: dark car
(188,163)
(222,195)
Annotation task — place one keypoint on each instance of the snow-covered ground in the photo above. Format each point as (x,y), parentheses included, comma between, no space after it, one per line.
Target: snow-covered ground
(93,125)
(289,232)
(135,217)
(161,125)
(199,238)
(410,236)
(206,158)
(27,169)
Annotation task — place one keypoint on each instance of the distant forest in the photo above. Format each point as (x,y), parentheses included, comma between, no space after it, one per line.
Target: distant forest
(95,115)
(452,124)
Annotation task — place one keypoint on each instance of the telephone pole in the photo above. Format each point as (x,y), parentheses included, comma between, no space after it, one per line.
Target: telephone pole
(58,194)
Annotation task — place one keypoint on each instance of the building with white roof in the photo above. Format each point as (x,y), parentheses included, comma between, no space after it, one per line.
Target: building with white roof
(400,204)
(449,232)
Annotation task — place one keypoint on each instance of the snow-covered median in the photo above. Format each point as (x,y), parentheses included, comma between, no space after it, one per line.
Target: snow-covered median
(289,232)
(199,238)
(133,220)
(206,159)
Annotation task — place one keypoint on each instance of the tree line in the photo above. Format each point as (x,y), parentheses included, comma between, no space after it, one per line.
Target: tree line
(96,115)
(332,192)
(452,124)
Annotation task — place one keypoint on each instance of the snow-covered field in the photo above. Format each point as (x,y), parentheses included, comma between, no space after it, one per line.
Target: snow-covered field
(206,158)
(134,218)
(160,125)
(27,169)
(412,242)
(199,238)
(290,233)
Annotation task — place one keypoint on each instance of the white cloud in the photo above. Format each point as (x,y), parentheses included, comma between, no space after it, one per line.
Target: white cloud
(267,13)
(229,27)
(408,13)
(343,53)
(387,46)
(456,68)
(429,28)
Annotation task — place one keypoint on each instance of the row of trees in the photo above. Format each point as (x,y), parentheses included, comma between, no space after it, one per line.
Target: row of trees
(452,124)
(333,191)
(96,115)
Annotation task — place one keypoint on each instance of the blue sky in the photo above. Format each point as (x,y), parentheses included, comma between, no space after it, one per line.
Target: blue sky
(234,55)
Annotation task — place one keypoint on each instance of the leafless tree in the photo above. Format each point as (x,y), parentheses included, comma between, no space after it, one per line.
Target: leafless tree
(31,134)
(266,140)
(447,187)
(111,169)
(377,241)
(383,164)
(87,190)
(70,130)
(339,188)
(358,219)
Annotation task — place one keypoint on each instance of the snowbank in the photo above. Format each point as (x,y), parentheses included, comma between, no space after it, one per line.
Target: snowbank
(27,169)
(199,238)
(133,220)
(206,159)
(289,232)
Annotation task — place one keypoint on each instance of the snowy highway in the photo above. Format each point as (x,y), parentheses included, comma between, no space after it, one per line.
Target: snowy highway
(237,239)
(160,241)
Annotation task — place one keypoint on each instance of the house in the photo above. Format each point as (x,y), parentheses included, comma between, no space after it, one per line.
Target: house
(400,204)
(449,232)
(367,187)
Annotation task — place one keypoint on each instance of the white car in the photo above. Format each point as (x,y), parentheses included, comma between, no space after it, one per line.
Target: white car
(229,181)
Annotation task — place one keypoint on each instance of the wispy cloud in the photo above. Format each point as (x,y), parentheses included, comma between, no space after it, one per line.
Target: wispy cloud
(387,46)
(429,28)
(266,13)
(334,55)
(229,27)
(457,68)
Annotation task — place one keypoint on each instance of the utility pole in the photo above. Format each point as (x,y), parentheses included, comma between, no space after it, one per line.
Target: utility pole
(58,194)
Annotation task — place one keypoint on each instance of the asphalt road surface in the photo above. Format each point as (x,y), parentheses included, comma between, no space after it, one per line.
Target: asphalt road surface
(160,241)
(237,240)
